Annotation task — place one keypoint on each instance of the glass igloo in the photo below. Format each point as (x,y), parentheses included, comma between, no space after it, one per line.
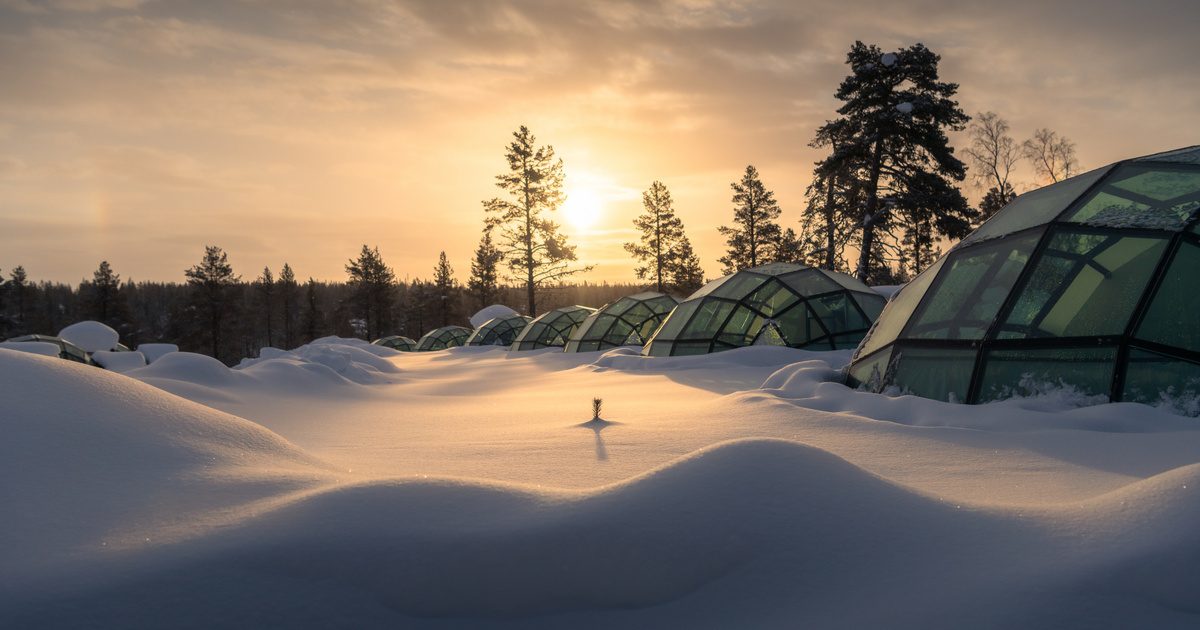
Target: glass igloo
(779,304)
(498,331)
(628,321)
(442,338)
(1092,283)
(551,329)
(396,342)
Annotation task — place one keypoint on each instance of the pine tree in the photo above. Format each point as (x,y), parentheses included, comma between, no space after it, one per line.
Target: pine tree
(661,231)
(104,294)
(684,274)
(265,286)
(893,126)
(288,290)
(830,215)
(484,284)
(788,248)
(214,286)
(530,241)
(445,287)
(755,234)
(20,291)
(995,199)
(372,283)
(313,321)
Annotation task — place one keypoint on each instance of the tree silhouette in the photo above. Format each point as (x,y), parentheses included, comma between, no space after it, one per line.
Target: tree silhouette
(213,286)
(755,234)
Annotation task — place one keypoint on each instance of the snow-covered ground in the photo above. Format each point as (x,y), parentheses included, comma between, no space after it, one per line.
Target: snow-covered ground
(348,485)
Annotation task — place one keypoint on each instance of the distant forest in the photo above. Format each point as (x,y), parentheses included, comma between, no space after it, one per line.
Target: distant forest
(281,313)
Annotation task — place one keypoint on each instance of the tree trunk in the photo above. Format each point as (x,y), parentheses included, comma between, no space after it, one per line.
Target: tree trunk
(830,255)
(869,215)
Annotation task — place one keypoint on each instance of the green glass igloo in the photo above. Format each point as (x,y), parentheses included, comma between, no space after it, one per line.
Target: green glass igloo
(780,304)
(498,331)
(551,329)
(1093,283)
(628,321)
(396,342)
(442,338)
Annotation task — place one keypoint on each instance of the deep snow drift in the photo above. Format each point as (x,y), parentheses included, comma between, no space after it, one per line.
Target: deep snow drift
(339,485)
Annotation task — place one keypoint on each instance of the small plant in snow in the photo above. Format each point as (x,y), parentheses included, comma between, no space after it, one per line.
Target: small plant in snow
(597,403)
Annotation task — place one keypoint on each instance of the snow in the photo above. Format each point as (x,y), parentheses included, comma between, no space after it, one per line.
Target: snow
(44,348)
(119,361)
(904,108)
(887,290)
(154,351)
(491,312)
(471,487)
(90,336)
(888,59)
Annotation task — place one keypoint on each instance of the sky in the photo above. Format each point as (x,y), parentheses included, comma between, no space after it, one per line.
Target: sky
(139,131)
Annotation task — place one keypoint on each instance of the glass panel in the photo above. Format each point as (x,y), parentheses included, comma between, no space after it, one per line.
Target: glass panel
(769,336)
(647,328)
(1158,380)
(598,327)
(681,348)
(1031,371)
(837,313)
(1084,284)
(742,327)
(971,290)
(1162,185)
(898,309)
(1035,207)
(710,287)
(1189,155)
(771,297)
(1140,196)
(621,305)
(743,284)
(799,325)
(708,319)
(677,319)
(618,333)
(846,280)
(848,341)
(637,313)
(871,372)
(810,282)
(1171,318)
(871,303)
(938,373)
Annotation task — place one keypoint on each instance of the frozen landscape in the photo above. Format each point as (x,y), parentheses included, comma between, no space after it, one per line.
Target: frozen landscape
(349,485)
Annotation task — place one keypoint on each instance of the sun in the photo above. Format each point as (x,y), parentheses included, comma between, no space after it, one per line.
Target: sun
(582,208)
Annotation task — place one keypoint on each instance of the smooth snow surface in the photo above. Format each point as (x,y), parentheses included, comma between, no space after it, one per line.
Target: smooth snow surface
(470,487)
(886,290)
(153,351)
(491,312)
(91,336)
(119,361)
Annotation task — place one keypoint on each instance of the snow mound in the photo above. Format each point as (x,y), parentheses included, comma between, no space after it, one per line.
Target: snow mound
(491,312)
(119,361)
(44,348)
(154,351)
(354,360)
(90,458)
(91,336)
(750,533)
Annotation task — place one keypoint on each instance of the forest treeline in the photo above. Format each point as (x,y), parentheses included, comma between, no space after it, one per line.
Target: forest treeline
(886,193)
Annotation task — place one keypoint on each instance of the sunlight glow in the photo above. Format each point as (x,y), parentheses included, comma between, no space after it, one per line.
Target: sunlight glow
(582,208)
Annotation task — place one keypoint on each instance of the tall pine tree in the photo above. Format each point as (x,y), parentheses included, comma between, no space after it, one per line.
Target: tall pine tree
(893,126)
(754,235)
(265,287)
(529,240)
(288,291)
(684,274)
(661,237)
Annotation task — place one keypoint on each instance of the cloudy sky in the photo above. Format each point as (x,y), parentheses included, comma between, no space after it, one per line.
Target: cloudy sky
(138,131)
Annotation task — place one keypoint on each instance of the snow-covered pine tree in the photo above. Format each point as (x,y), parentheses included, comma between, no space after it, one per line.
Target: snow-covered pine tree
(893,128)
(754,234)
